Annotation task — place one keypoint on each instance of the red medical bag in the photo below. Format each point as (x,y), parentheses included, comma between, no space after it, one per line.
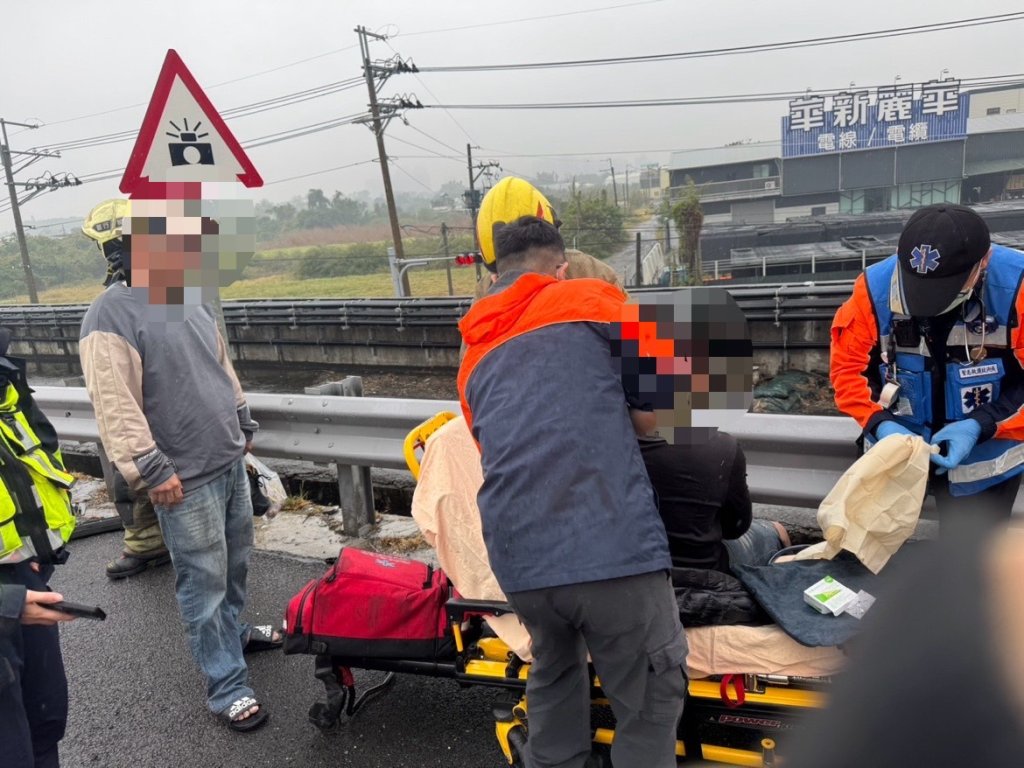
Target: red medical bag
(371,605)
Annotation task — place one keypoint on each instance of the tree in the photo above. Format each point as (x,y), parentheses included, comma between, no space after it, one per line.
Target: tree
(348,211)
(316,199)
(689,219)
(453,189)
(592,223)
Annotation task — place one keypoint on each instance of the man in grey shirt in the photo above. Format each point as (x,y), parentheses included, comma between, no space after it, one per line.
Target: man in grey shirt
(174,422)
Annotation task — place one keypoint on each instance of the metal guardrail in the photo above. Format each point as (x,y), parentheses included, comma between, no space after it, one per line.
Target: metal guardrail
(348,432)
(783,301)
(791,460)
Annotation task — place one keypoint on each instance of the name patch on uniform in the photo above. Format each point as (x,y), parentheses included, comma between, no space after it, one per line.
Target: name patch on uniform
(978,370)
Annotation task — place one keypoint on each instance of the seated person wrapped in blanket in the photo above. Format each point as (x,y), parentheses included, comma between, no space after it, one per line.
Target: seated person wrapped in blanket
(444,506)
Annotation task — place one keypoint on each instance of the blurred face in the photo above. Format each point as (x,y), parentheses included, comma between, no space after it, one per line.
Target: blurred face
(689,356)
(183,251)
(163,262)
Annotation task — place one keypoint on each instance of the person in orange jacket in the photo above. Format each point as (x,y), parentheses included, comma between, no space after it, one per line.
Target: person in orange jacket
(931,343)
(568,515)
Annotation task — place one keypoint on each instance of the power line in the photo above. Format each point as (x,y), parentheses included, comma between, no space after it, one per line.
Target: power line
(215,85)
(244,110)
(743,49)
(545,17)
(434,154)
(743,98)
(352,47)
(317,173)
(260,141)
(434,97)
(392,161)
(427,135)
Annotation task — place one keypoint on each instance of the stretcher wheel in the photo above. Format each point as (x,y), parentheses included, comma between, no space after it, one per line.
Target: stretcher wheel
(517,747)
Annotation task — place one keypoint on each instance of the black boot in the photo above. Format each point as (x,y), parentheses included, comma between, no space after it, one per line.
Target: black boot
(130,565)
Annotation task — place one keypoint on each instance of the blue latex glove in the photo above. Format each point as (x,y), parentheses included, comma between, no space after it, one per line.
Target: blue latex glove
(961,437)
(890,427)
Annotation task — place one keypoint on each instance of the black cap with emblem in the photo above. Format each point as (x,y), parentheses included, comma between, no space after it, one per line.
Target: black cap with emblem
(938,248)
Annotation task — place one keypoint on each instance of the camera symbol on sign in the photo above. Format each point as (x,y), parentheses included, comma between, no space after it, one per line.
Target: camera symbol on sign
(189,150)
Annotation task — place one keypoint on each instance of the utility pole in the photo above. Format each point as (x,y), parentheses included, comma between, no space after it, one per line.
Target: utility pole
(615,188)
(447,258)
(471,196)
(639,276)
(19,229)
(378,132)
(627,189)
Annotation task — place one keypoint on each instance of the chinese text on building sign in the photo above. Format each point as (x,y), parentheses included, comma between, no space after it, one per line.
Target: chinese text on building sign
(897,115)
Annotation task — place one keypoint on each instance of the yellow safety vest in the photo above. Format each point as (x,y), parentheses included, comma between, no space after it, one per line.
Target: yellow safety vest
(36,519)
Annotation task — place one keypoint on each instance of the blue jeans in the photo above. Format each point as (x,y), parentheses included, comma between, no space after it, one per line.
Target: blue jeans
(756,546)
(209,536)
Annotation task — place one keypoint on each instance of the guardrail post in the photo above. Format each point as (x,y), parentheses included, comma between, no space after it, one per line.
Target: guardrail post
(355,485)
(396,280)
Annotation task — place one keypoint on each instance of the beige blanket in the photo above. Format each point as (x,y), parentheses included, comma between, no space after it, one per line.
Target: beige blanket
(876,504)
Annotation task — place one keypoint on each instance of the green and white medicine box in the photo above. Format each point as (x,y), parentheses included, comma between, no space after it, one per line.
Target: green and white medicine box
(829,596)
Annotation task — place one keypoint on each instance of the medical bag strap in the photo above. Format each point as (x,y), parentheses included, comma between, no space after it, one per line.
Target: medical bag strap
(340,689)
(737,684)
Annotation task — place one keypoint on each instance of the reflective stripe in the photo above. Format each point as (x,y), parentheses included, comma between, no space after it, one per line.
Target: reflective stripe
(895,295)
(960,335)
(982,470)
(36,518)
(27,551)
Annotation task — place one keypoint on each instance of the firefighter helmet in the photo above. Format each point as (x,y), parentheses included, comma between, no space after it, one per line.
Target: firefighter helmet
(105,221)
(508,200)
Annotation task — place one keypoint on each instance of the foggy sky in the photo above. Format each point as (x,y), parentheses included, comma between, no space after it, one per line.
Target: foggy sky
(69,58)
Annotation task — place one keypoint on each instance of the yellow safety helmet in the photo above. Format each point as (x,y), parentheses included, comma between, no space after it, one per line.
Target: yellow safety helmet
(508,200)
(105,221)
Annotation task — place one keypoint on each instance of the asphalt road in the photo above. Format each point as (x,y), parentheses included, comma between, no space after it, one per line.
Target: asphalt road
(624,261)
(137,699)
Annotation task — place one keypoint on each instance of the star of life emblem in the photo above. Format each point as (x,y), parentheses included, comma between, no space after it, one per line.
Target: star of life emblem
(976,396)
(924,258)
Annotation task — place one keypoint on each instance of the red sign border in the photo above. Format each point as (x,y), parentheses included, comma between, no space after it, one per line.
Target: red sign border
(132,182)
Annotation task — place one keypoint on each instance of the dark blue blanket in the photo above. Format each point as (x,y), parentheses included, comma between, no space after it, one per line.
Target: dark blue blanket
(780,589)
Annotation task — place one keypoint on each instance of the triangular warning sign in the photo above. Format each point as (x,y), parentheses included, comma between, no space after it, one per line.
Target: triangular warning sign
(183,139)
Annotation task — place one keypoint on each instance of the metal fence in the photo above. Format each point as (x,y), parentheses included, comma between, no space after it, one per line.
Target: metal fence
(785,300)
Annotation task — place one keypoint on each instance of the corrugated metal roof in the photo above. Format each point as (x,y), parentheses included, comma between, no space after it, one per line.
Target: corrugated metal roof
(738,153)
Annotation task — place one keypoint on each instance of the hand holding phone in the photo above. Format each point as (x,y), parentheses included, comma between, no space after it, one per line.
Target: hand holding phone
(80,611)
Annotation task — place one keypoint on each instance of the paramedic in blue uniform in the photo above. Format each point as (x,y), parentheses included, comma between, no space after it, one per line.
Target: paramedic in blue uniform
(931,343)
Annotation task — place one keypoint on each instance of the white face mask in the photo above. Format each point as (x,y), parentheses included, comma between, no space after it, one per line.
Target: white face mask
(958,300)
(965,294)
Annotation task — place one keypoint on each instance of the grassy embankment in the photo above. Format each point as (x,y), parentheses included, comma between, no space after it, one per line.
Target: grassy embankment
(275,274)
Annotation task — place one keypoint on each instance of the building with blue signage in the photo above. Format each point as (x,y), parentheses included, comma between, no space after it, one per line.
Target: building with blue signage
(866,151)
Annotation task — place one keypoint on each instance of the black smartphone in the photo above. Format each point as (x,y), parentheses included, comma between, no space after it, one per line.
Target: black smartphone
(81,611)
